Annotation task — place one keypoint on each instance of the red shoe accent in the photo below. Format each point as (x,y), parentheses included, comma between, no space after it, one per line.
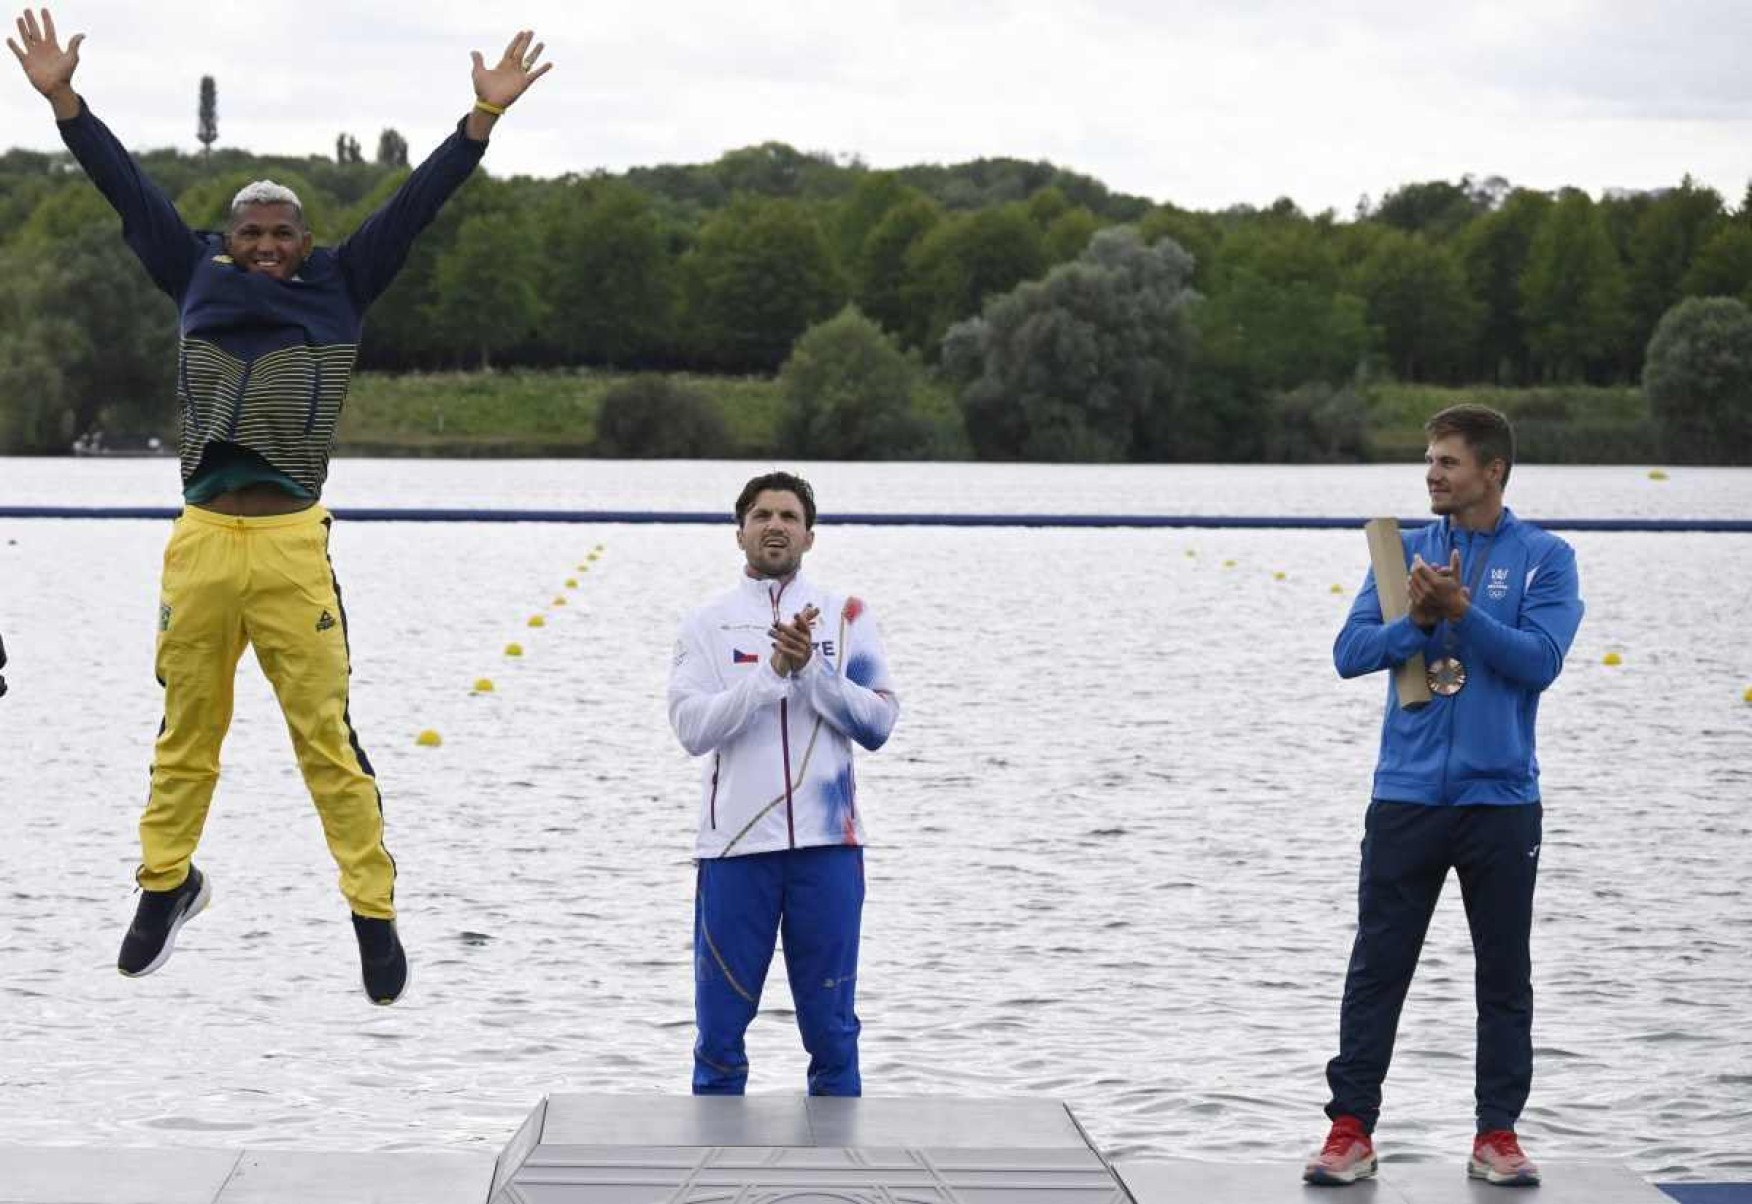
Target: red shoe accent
(1497,1158)
(1347,1156)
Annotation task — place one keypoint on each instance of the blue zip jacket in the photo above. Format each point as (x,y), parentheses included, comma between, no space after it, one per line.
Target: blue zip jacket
(1475,746)
(265,364)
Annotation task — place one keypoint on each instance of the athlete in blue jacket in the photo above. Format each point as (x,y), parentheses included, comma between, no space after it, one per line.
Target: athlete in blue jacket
(270,327)
(1494,607)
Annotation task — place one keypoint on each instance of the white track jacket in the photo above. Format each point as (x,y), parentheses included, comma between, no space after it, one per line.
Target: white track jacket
(777,768)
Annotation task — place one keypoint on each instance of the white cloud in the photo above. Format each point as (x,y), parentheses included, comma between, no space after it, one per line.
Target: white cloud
(1181,101)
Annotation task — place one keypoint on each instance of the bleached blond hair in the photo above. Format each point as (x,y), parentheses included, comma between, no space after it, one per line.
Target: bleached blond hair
(266,192)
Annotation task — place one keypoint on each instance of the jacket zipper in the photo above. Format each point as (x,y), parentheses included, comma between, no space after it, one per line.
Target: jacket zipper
(717,763)
(785,737)
(315,396)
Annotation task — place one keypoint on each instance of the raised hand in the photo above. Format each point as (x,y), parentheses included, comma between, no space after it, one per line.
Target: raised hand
(501,84)
(1437,593)
(48,67)
(792,645)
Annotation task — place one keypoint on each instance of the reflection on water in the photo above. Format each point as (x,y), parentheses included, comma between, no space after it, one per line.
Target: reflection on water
(1115,843)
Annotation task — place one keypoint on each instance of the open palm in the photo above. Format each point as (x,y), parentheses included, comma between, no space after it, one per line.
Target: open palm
(516,69)
(38,50)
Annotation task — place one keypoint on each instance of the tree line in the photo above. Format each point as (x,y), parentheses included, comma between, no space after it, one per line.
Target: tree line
(1067,321)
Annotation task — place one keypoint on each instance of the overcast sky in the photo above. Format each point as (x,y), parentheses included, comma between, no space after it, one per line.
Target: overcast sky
(1206,105)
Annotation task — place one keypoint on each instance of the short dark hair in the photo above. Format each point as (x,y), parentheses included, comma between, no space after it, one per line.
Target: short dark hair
(788,482)
(1487,433)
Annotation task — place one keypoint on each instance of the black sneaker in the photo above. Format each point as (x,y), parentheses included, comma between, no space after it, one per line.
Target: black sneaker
(152,936)
(382,964)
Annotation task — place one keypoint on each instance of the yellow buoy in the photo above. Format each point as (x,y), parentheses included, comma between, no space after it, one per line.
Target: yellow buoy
(537,621)
(1191,552)
(583,568)
(1612,658)
(428,739)
(1748,694)
(1228,564)
(559,600)
(571,583)
(592,558)
(1656,474)
(597,549)
(483,685)
(1279,576)
(513,649)
(1338,589)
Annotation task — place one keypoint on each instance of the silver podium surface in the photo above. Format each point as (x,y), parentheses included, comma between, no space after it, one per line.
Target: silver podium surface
(759,1149)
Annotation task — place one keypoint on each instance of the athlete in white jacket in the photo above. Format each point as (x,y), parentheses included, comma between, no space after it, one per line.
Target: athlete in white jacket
(773,681)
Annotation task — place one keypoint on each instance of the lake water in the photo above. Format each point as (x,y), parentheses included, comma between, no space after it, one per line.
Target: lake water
(1113,839)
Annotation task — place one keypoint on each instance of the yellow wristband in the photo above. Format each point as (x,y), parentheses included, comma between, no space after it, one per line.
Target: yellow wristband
(486,107)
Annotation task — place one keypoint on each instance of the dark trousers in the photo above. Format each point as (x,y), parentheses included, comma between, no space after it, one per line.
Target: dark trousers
(1408,849)
(815,898)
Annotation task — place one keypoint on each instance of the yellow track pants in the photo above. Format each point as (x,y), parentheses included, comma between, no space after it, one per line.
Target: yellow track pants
(265,582)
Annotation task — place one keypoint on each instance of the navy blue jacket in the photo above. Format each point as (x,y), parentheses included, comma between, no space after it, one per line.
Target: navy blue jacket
(266,363)
(1476,746)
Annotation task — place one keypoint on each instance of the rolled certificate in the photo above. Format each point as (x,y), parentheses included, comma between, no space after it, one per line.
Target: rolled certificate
(1387,558)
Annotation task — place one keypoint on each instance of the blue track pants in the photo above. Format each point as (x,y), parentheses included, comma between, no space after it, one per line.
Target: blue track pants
(1408,849)
(814,897)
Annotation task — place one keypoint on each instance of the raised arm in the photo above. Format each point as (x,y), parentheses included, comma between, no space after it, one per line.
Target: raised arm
(1367,644)
(151,226)
(1530,651)
(377,250)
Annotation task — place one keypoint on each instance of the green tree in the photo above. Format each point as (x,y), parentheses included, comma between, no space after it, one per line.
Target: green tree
(86,344)
(1197,233)
(207,117)
(1090,363)
(881,272)
(1665,240)
(1417,298)
(1435,207)
(1573,295)
(1318,424)
(1698,378)
(1068,234)
(653,417)
(848,393)
(609,283)
(400,330)
(760,274)
(859,212)
(1278,313)
(1723,265)
(774,169)
(1495,250)
(965,259)
(392,149)
(486,299)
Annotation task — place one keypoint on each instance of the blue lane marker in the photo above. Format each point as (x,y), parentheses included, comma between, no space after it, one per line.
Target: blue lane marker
(715,518)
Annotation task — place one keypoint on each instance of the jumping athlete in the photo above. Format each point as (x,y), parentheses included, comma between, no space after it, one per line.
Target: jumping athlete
(773,682)
(270,329)
(1494,607)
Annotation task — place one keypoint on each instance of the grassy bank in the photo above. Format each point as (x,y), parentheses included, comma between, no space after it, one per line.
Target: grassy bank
(1571,424)
(553,414)
(522,413)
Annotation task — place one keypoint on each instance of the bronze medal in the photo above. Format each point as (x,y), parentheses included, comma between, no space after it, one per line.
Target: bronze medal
(1446,676)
